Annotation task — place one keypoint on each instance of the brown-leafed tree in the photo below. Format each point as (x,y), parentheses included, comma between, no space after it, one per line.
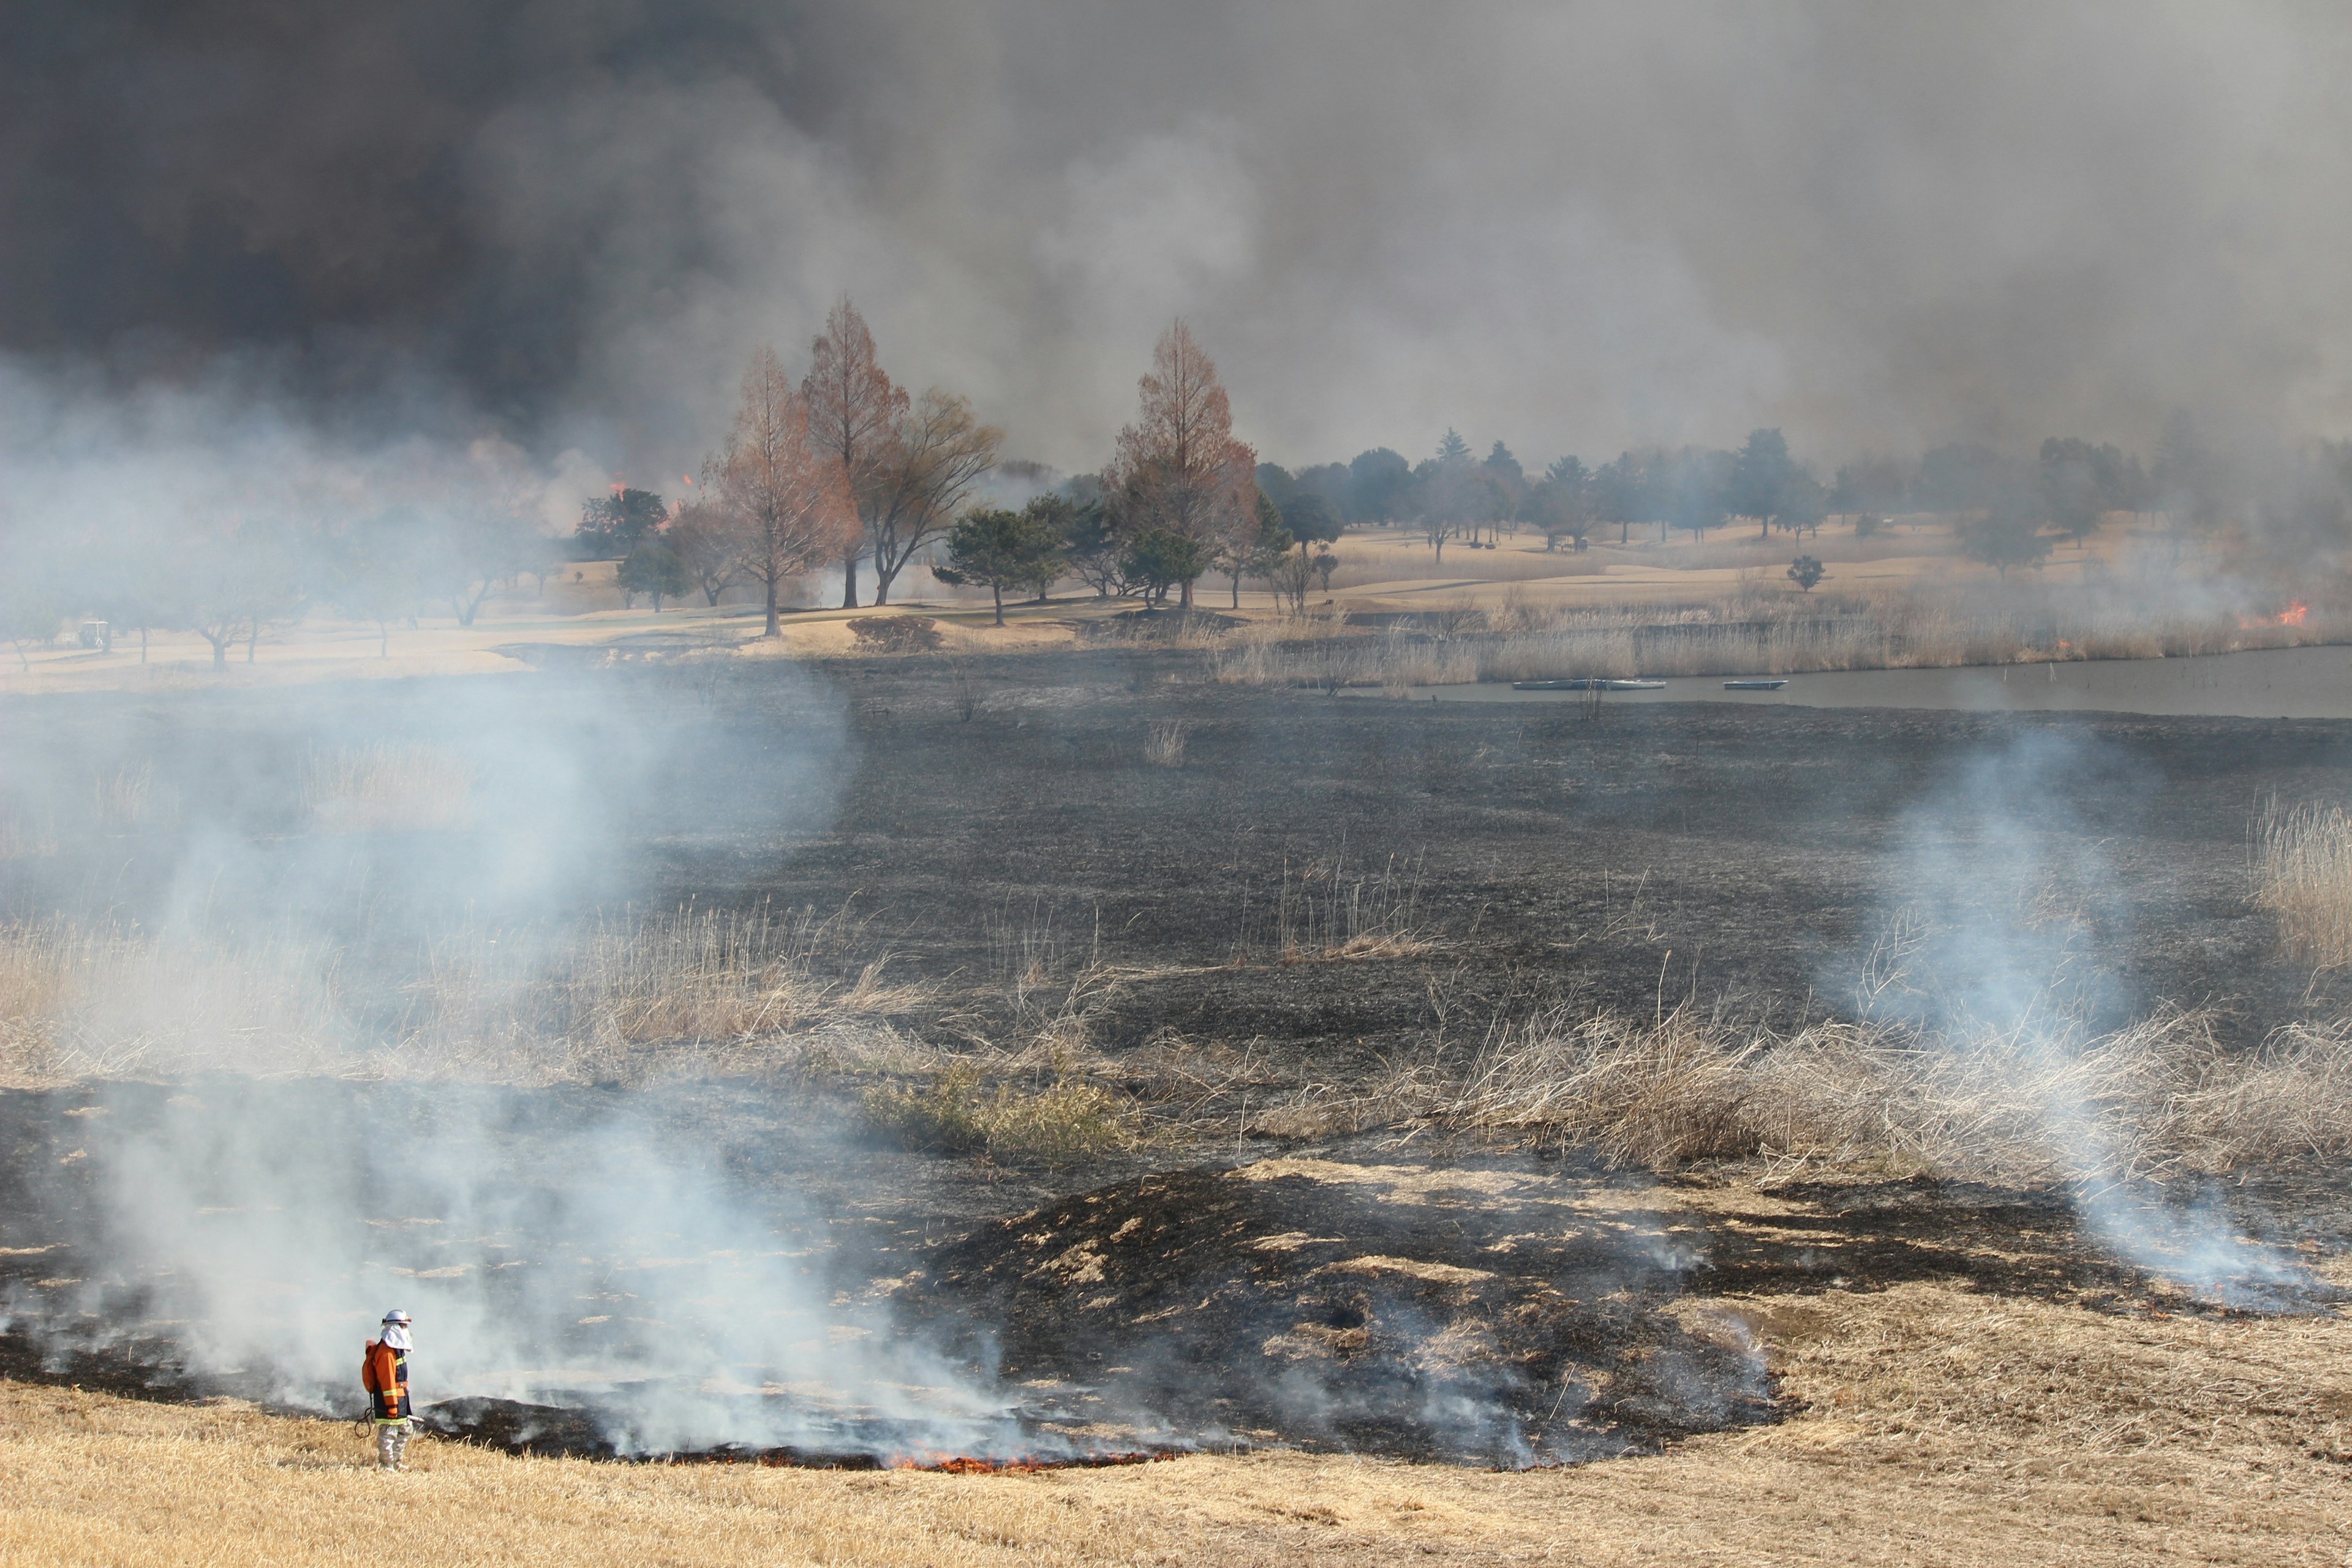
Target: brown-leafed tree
(706,537)
(788,494)
(938,450)
(1178,468)
(854,411)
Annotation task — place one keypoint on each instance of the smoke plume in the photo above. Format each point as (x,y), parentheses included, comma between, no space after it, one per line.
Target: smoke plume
(1572,227)
(2011,912)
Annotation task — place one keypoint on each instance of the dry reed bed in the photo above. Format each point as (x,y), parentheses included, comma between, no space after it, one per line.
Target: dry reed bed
(2302,868)
(1749,633)
(513,1005)
(1021,1075)
(2156,1099)
(378,788)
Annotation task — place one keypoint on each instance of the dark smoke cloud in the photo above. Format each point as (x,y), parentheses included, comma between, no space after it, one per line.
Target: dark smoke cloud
(1567,225)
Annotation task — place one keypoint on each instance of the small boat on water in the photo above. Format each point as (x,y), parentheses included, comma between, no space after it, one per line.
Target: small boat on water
(1773,685)
(1585,685)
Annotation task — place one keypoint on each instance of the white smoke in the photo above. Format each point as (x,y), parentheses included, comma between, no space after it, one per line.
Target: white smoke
(552,1251)
(2015,912)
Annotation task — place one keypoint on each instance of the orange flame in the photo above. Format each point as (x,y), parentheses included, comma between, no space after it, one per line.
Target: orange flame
(1021,1465)
(2293,615)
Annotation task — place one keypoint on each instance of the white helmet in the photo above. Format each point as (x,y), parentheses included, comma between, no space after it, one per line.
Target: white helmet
(397,1316)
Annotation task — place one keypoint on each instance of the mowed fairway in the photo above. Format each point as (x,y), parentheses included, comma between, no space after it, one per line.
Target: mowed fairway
(1932,1425)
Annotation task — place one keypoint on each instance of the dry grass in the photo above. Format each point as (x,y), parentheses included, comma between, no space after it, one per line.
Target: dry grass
(381,788)
(2154,1099)
(2302,875)
(1164,746)
(1931,1426)
(1015,1072)
(1366,560)
(1027,1082)
(1761,630)
(117,803)
(625,999)
(1326,911)
(103,1002)
(1067,1121)
(505,1005)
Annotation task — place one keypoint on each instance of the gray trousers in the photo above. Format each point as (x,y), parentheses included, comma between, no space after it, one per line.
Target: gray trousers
(391,1442)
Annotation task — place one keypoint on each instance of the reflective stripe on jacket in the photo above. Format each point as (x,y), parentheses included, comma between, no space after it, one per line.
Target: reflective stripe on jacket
(384,1372)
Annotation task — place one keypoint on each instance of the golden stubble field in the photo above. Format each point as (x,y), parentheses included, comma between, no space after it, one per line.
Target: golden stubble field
(1931,1426)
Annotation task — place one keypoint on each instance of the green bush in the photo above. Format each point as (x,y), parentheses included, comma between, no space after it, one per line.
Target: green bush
(1069,1121)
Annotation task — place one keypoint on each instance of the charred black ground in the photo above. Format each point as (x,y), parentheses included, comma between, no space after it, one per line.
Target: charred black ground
(1556,851)
(1004,809)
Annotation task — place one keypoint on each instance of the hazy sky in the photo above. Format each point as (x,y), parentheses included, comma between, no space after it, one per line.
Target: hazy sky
(1573,227)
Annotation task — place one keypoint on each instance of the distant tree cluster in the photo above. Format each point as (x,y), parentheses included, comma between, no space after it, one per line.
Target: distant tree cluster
(846,469)
(1182,497)
(2003,510)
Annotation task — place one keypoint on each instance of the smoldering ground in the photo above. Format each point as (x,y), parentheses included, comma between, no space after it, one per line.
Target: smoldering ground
(280,895)
(2011,926)
(1411,1296)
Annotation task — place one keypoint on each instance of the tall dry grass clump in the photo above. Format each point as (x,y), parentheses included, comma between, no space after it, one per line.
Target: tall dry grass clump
(2156,1099)
(108,1002)
(385,788)
(1326,911)
(1065,1121)
(119,801)
(2302,874)
(1163,746)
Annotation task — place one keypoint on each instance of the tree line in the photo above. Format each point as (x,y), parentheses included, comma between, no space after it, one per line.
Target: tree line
(1182,497)
(2005,510)
(844,468)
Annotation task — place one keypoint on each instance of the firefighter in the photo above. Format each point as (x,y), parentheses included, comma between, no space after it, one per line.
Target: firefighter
(384,1372)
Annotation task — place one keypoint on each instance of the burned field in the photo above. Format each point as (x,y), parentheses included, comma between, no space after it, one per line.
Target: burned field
(1268,951)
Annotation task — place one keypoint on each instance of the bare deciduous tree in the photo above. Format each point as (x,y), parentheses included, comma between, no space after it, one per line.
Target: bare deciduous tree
(936,453)
(1179,468)
(789,497)
(854,411)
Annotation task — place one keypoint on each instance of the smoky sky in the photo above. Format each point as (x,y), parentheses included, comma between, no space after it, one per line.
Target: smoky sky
(1569,226)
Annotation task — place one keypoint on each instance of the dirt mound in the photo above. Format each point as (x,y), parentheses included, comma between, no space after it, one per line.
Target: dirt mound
(1495,1314)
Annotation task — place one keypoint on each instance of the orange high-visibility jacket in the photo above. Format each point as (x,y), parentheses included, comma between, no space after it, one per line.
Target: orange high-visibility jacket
(384,1372)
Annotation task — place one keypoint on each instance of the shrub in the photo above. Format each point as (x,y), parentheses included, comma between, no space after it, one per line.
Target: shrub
(896,634)
(1071,1120)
